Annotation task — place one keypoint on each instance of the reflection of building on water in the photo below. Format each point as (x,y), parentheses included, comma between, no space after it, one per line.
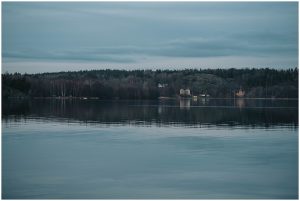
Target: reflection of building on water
(240,103)
(204,100)
(185,103)
(159,109)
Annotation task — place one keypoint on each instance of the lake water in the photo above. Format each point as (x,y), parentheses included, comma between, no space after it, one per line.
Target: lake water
(168,149)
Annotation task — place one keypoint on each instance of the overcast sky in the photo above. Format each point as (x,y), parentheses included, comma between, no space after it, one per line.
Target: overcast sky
(47,37)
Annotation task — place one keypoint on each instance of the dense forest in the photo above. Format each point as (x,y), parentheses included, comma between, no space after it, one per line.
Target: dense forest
(151,84)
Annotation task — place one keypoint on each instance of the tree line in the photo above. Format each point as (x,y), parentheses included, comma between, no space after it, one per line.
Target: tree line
(151,84)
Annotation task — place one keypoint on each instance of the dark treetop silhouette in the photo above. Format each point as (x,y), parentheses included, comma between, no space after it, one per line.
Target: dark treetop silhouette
(149,84)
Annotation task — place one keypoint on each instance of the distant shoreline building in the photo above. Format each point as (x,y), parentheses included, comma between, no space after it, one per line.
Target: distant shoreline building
(162,85)
(240,93)
(185,92)
(204,95)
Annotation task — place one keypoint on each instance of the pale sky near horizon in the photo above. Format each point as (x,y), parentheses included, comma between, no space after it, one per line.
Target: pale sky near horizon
(66,36)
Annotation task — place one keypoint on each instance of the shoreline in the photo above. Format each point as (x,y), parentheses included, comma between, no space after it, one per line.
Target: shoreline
(159,98)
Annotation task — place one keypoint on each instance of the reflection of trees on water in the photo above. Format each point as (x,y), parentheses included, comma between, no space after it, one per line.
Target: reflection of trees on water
(162,112)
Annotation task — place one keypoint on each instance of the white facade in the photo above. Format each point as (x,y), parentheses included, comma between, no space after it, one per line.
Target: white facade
(185,92)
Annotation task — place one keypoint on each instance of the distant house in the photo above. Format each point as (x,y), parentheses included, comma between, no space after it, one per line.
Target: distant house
(204,95)
(240,93)
(181,92)
(185,92)
(162,85)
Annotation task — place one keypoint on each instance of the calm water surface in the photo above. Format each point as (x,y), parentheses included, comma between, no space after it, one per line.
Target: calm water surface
(209,148)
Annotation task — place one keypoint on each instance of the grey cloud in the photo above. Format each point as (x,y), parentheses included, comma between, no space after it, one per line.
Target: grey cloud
(129,32)
(246,45)
(69,55)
